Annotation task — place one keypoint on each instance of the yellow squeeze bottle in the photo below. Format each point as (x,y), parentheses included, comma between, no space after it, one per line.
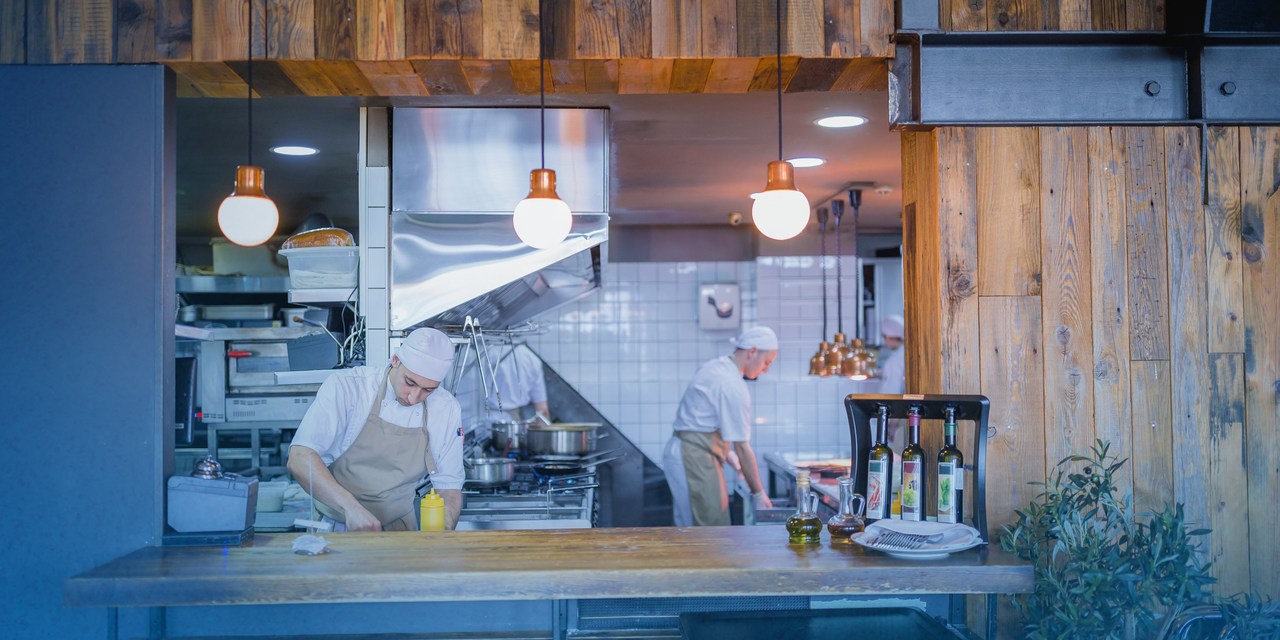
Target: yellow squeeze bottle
(431,512)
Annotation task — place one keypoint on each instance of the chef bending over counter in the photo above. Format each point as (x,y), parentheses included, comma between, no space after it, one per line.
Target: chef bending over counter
(373,434)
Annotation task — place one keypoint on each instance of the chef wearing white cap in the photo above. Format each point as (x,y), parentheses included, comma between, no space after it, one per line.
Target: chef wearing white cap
(373,434)
(713,420)
(893,367)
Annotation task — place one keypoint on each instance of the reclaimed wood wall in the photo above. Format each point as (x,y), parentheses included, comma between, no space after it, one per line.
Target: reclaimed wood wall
(1076,277)
(1053,15)
(464,47)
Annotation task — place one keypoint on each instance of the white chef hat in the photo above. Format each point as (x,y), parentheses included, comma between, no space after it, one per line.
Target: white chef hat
(762,338)
(892,326)
(428,353)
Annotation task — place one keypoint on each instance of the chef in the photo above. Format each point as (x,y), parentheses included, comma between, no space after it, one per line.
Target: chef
(521,388)
(713,426)
(372,434)
(893,367)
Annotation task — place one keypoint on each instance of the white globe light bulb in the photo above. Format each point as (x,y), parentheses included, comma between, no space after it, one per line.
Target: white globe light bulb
(542,223)
(248,220)
(780,214)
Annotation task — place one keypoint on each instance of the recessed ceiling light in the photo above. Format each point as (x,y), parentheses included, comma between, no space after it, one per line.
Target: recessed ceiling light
(295,151)
(838,122)
(804,163)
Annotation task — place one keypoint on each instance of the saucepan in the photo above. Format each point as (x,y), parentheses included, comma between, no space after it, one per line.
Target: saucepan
(508,436)
(563,438)
(489,472)
(572,468)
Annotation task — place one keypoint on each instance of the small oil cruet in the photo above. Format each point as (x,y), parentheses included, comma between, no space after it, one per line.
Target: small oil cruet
(843,525)
(804,527)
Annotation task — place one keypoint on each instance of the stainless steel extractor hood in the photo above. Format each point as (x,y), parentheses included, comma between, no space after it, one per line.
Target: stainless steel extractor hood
(456,176)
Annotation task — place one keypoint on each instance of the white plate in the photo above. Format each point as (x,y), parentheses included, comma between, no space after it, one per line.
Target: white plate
(917,554)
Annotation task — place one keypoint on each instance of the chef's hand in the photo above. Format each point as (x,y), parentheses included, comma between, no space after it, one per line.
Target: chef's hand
(734,461)
(359,519)
(761,501)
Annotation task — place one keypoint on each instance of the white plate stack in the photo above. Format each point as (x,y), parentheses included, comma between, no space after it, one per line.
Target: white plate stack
(912,540)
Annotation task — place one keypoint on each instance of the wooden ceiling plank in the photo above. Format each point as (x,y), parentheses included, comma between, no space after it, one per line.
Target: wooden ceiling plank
(676,28)
(524,73)
(135,27)
(13,30)
(864,74)
(720,28)
(651,76)
(310,77)
(766,74)
(731,75)
(443,77)
(268,78)
(213,79)
(875,25)
(757,28)
(173,30)
(334,34)
(601,76)
(816,74)
(417,29)
(489,77)
(689,75)
(596,27)
(510,30)
(379,30)
(802,27)
(635,28)
(346,76)
(840,29)
(567,77)
(392,78)
(219,31)
(290,29)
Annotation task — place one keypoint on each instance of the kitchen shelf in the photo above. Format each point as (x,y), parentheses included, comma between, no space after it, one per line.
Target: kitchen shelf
(322,297)
(232,284)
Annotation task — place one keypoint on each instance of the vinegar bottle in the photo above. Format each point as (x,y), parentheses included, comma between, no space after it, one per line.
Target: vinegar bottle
(880,470)
(804,527)
(843,525)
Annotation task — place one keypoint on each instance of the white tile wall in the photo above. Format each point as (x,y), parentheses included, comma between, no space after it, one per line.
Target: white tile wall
(631,348)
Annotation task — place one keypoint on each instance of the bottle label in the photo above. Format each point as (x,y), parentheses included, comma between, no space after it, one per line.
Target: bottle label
(877,489)
(911,487)
(947,492)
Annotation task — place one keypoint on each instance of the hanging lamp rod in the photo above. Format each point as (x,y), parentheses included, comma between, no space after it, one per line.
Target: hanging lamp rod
(843,193)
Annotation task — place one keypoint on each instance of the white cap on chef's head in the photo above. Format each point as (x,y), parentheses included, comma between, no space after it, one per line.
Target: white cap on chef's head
(762,338)
(892,326)
(428,353)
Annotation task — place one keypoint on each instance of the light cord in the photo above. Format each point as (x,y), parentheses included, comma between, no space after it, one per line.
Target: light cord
(542,87)
(249,93)
(778,48)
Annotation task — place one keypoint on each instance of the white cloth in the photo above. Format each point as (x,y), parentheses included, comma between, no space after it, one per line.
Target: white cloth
(893,372)
(428,353)
(342,404)
(716,398)
(520,382)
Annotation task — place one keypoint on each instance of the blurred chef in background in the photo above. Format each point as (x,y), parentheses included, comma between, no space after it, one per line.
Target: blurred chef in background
(713,421)
(893,366)
(372,434)
(521,386)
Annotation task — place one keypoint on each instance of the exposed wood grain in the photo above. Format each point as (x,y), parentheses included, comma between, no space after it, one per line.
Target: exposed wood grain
(876,25)
(719,28)
(394,77)
(922,260)
(524,73)
(1015,15)
(1188,329)
(635,29)
(731,75)
(816,74)
(185,88)
(13,30)
(1009,198)
(1260,225)
(1113,415)
(456,28)
(444,77)
(214,79)
(510,30)
(135,24)
(596,27)
(802,28)
(1152,435)
(957,263)
(37,39)
(173,30)
(1222,236)
(335,29)
(290,29)
(840,29)
(677,28)
(528,565)
(568,76)
(766,75)
(220,31)
(1144,15)
(1067,291)
(963,15)
(863,74)
(380,29)
(491,77)
(1226,465)
(1107,15)
(690,76)
(1012,378)
(559,30)
(644,76)
(1148,263)
(417,29)
(757,28)
(1075,15)
(269,80)
(69,32)
(310,76)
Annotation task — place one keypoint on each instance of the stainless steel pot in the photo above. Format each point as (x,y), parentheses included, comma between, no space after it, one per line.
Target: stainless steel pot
(508,436)
(562,438)
(489,472)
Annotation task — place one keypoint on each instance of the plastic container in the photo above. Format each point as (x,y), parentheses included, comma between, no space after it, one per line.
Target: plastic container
(323,267)
(431,512)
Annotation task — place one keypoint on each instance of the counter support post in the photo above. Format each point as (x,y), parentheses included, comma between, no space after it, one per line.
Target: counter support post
(113,623)
(991,615)
(560,620)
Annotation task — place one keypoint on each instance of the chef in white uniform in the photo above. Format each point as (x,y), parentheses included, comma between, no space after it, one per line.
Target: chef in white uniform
(373,434)
(712,422)
(521,387)
(893,367)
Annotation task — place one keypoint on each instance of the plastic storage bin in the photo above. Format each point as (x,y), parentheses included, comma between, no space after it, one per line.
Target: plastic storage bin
(323,267)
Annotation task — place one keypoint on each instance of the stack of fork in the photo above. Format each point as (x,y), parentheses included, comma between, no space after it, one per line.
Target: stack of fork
(909,541)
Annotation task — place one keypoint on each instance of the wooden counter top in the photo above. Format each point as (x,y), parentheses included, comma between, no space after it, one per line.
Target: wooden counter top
(530,565)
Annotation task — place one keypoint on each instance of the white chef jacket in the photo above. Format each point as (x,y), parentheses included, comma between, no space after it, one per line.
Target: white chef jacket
(893,372)
(716,398)
(342,404)
(519,383)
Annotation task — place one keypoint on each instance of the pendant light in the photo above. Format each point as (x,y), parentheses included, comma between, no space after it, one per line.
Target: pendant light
(780,212)
(859,363)
(818,363)
(248,217)
(835,357)
(542,219)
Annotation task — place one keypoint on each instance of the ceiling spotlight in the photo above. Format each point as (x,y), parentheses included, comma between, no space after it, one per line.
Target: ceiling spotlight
(840,122)
(804,163)
(287,150)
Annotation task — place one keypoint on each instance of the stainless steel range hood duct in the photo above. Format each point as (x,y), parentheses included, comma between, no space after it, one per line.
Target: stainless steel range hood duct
(456,175)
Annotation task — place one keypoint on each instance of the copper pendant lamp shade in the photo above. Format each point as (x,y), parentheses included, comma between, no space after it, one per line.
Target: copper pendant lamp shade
(248,217)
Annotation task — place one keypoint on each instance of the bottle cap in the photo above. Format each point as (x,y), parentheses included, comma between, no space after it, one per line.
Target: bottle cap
(433,499)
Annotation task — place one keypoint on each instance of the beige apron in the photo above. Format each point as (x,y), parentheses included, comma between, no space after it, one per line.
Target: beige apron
(703,455)
(383,467)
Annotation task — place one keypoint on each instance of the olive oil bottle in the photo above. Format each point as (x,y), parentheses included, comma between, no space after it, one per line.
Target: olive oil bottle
(950,473)
(804,527)
(913,470)
(880,470)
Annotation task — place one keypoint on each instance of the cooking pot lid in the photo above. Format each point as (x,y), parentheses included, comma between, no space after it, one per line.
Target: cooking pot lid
(566,426)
